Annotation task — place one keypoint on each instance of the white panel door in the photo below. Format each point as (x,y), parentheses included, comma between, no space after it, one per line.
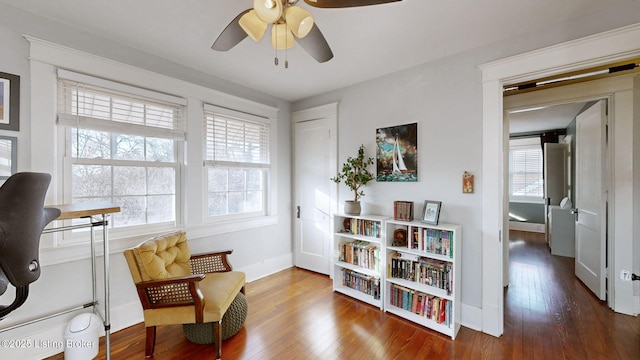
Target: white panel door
(312,238)
(590,199)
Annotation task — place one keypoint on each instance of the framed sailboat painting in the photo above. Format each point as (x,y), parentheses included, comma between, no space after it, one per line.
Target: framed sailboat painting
(397,153)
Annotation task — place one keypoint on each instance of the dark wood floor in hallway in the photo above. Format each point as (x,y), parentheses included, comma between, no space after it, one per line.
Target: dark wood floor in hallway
(294,314)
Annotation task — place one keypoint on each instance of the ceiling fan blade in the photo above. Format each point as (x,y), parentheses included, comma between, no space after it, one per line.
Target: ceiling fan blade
(316,45)
(345,3)
(231,35)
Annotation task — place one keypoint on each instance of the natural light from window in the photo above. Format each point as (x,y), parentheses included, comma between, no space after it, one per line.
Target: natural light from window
(526,181)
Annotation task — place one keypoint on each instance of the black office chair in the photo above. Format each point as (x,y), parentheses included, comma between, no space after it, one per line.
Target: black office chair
(22,219)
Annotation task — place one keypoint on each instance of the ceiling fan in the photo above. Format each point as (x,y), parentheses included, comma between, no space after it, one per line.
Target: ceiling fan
(287,21)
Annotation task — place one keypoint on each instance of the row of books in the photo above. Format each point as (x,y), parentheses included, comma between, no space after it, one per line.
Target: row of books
(361,253)
(429,306)
(364,227)
(432,240)
(403,210)
(426,271)
(366,284)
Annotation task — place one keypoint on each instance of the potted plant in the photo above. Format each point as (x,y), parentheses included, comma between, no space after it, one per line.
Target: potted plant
(355,175)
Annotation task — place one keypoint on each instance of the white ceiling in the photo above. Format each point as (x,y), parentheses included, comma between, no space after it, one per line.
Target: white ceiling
(367,41)
(544,118)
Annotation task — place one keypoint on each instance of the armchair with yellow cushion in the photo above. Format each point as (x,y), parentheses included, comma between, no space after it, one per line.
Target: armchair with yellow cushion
(177,288)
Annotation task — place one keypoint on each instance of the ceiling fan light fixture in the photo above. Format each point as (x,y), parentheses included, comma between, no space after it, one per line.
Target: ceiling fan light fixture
(252,25)
(281,37)
(268,11)
(300,21)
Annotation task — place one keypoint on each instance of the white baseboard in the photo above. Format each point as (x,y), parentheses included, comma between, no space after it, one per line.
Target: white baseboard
(46,338)
(489,324)
(126,315)
(471,317)
(524,226)
(37,345)
(270,266)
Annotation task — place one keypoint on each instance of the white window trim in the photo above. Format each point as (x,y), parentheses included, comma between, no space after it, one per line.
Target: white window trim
(521,144)
(46,57)
(243,221)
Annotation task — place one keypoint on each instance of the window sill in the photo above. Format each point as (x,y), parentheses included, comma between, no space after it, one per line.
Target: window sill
(80,251)
(222,227)
(525,201)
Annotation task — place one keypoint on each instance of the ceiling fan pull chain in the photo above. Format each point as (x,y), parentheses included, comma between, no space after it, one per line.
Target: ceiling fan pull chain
(286,46)
(275,28)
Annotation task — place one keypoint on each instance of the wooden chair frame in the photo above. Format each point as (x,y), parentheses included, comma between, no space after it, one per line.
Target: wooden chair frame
(184,291)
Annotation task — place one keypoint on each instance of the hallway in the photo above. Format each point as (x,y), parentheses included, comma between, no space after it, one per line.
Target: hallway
(548,310)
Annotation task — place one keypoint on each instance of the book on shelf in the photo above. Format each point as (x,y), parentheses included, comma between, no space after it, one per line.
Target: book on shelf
(369,285)
(361,253)
(403,210)
(423,270)
(434,241)
(421,304)
(362,227)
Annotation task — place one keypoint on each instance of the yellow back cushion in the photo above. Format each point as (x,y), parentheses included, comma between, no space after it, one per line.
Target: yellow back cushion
(163,257)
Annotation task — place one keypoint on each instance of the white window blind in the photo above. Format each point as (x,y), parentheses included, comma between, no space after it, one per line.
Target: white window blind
(235,140)
(526,173)
(237,163)
(139,111)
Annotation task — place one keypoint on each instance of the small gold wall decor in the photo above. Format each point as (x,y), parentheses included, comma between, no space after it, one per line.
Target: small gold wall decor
(467,183)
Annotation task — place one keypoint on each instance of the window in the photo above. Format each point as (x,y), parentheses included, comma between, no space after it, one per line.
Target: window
(525,173)
(237,163)
(122,146)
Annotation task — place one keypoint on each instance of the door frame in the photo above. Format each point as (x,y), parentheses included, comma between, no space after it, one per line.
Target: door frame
(315,113)
(600,49)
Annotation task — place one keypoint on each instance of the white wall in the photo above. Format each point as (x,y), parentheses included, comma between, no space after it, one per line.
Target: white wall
(445,98)
(257,251)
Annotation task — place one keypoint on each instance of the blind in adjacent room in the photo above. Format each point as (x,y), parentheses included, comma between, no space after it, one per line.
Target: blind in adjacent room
(526,173)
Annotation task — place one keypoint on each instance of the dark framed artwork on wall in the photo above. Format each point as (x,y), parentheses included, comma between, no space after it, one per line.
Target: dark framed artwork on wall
(9,102)
(397,153)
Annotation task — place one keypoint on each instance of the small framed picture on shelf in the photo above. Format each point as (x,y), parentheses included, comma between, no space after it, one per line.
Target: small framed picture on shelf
(431,212)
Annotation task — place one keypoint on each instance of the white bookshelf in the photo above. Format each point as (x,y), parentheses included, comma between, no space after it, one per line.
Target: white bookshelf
(359,257)
(424,271)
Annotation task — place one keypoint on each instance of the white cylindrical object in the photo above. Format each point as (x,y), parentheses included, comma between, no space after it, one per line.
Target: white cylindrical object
(81,337)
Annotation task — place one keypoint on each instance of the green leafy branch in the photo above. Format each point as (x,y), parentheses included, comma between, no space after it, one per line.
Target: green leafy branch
(355,174)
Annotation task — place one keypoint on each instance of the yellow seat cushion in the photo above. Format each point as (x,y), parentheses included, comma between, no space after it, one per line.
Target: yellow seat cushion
(219,290)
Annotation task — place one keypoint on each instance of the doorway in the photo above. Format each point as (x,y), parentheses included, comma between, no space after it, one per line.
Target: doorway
(597,50)
(570,159)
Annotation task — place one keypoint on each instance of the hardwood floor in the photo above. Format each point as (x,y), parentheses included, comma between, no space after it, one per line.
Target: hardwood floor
(294,314)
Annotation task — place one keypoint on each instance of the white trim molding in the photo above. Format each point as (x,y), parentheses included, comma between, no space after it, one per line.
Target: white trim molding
(591,51)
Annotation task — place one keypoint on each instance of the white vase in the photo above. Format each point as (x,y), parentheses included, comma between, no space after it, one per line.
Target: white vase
(352,207)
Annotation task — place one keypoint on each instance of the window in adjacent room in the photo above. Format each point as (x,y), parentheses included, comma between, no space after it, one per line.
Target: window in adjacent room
(122,145)
(237,164)
(525,171)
